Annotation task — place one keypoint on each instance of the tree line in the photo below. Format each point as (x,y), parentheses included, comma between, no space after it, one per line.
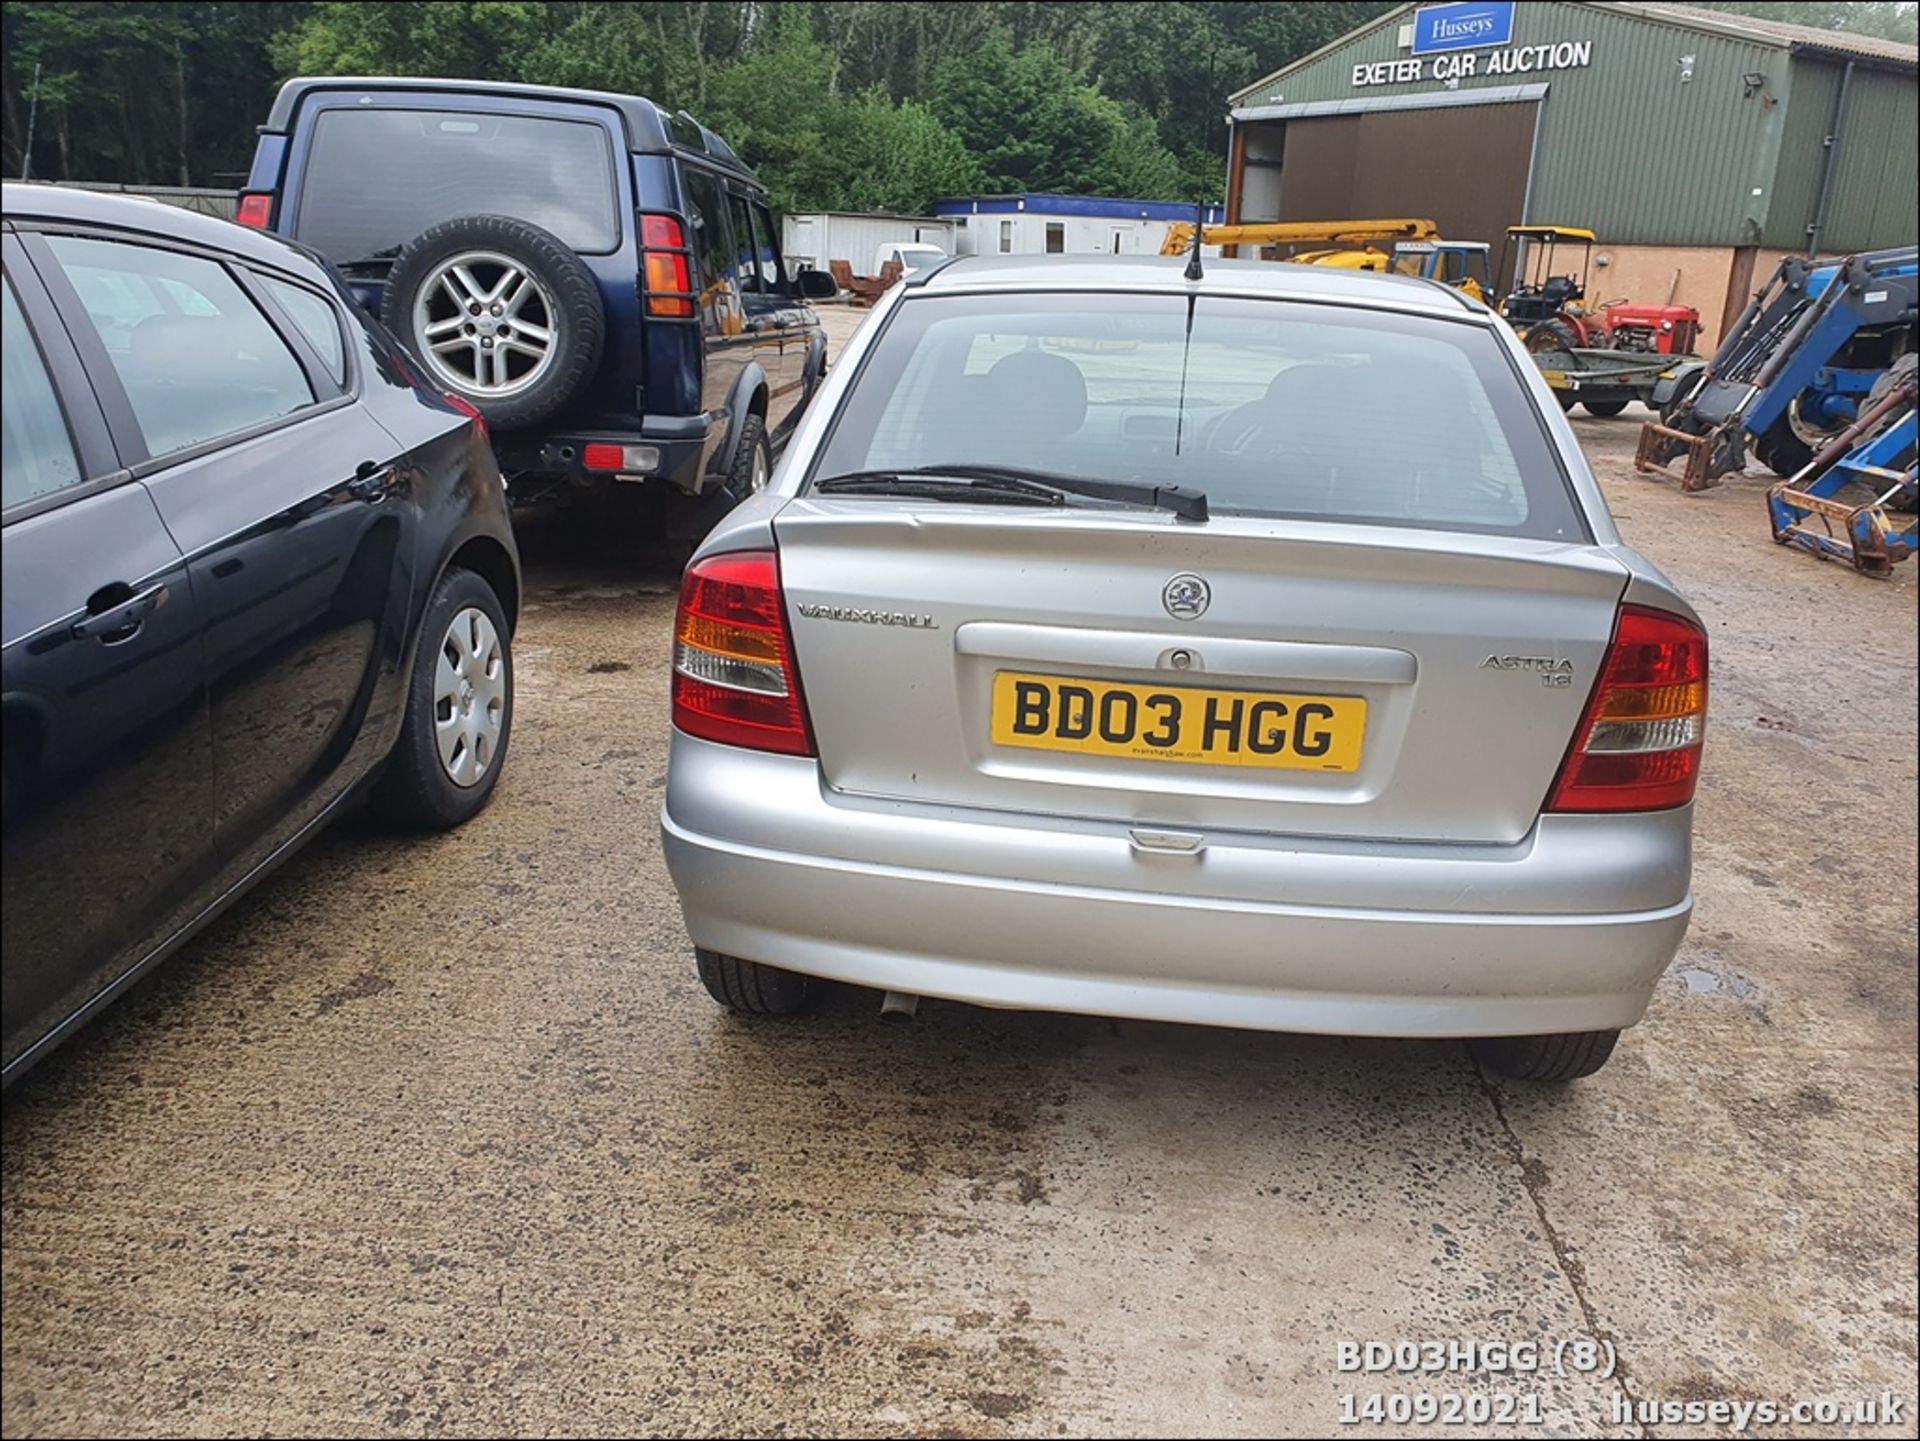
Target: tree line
(840,104)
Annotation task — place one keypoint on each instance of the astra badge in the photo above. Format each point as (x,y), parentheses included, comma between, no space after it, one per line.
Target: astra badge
(1554,672)
(1186,597)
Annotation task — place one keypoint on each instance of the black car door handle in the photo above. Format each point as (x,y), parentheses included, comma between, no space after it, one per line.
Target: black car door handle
(371,484)
(118,620)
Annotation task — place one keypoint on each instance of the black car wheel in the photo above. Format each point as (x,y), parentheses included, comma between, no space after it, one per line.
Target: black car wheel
(499,312)
(751,989)
(1605,409)
(459,710)
(690,517)
(1546,1058)
(752,462)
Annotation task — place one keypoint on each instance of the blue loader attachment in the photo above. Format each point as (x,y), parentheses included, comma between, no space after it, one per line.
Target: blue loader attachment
(1846,503)
(1792,371)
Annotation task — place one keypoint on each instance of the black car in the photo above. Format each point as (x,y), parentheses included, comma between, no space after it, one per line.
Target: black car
(253,565)
(601,278)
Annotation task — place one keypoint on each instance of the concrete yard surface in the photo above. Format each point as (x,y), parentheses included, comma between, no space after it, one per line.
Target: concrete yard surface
(442,1136)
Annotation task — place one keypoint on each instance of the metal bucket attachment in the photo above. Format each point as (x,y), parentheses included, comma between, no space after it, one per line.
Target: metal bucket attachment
(1706,454)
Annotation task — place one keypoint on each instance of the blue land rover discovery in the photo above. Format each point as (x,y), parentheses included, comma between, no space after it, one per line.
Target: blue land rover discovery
(601,279)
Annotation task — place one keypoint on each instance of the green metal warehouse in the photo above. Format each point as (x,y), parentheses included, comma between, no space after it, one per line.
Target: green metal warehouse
(1698,145)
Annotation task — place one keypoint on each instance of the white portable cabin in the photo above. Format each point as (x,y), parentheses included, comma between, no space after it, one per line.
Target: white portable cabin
(823,236)
(1037,223)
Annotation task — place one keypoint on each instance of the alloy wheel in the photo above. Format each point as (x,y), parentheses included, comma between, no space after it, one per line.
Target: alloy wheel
(486,324)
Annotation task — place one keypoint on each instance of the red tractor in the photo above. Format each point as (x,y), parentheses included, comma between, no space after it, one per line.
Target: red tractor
(1549,310)
(1655,329)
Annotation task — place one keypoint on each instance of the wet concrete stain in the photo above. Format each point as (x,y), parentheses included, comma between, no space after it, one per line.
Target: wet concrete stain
(362,987)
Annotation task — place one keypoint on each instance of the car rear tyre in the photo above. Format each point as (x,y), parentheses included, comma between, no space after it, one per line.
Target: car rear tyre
(501,313)
(690,517)
(751,989)
(1546,1058)
(1605,409)
(459,718)
(752,462)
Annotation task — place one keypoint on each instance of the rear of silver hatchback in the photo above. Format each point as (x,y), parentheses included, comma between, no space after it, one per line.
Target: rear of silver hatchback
(1254,651)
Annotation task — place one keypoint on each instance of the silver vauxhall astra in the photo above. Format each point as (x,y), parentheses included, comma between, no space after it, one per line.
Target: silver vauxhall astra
(1251,650)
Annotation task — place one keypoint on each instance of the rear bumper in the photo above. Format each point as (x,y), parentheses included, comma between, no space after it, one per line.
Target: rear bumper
(681,441)
(1567,931)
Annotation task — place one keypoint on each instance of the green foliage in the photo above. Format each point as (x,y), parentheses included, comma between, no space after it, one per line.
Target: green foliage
(148,93)
(899,157)
(590,45)
(1887,19)
(840,104)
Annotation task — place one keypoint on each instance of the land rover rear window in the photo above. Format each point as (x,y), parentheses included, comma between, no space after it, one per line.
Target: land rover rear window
(377,178)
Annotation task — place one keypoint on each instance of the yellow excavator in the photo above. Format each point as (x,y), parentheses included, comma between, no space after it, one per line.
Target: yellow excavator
(1353,245)
(1348,234)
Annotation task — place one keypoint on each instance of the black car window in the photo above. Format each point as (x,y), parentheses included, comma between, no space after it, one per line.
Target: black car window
(706,216)
(377,178)
(766,242)
(746,259)
(197,358)
(317,320)
(38,451)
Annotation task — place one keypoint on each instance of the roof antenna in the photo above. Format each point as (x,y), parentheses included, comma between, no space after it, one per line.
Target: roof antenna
(1194,272)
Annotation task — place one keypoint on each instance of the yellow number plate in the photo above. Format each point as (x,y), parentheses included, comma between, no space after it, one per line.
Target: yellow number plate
(1178,723)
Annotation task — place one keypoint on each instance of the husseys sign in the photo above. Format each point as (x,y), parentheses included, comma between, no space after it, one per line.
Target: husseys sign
(1448,41)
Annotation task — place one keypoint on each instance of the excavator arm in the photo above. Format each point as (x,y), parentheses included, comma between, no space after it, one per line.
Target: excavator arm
(1299,232)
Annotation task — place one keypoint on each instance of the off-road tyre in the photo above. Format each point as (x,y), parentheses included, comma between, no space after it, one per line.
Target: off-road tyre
(567,294)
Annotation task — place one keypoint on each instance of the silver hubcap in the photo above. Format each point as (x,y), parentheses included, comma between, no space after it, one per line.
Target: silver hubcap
(487,324)
(469,696)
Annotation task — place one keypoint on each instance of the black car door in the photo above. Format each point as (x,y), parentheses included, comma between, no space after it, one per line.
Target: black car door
(727,346)
(803,343)
(778,323)
(108,794)
(296,520)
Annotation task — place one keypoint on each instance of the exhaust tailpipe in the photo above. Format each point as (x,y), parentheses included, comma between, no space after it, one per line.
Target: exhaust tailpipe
(898,1006)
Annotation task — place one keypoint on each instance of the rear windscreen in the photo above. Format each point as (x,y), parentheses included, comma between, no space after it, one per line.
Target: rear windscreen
(377,178)
(1271,407)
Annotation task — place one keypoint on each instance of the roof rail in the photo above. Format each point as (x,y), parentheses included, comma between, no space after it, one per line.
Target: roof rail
(920,277)
(1459,296)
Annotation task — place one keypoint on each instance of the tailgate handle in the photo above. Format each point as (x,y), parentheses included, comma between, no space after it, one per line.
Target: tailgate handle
(1167,843)
(1218,655)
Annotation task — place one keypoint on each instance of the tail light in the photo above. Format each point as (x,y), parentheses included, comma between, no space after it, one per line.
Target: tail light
(628,459)
(734,677)
(256,210)
(664,266)
(1638,746)
(469,409)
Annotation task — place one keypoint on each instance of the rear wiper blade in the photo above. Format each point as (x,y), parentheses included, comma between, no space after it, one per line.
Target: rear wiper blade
(1182,500)
(941,485)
